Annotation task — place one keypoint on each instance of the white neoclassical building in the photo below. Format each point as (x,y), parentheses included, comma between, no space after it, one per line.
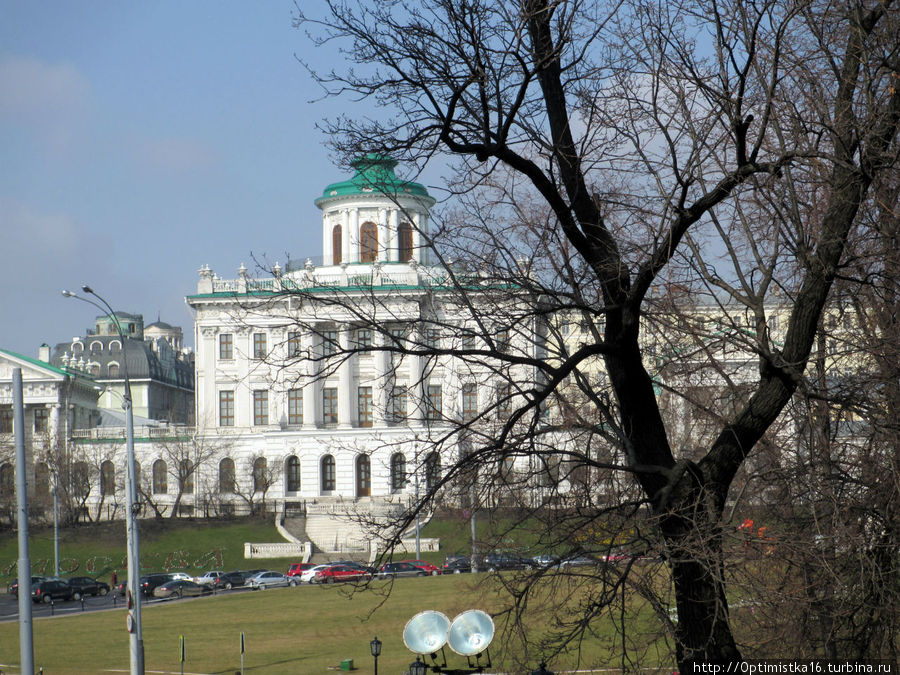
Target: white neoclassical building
(292,399)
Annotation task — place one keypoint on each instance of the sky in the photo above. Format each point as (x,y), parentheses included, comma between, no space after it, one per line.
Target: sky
(140,141)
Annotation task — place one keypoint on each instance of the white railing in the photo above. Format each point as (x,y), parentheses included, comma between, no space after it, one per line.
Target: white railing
(272,550)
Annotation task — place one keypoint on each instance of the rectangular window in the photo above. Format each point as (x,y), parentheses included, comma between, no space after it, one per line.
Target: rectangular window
(468,342)
(504,393)
(226,408)
(431,338)
(398,404)
(364,338)
(6,421)
(41,419)
(226,346)
(329,405)
(433,403)
(259,346)
(469,402)
(260,407)
(329,342)
(398,336)
(502,340)
(364,400)
(295,406)
(295,345)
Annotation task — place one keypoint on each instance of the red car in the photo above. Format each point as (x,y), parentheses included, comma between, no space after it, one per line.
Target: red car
(296,569)
(336,573)
(433,570)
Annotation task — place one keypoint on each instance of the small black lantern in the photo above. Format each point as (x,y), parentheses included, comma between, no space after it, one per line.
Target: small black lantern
(375,647)
(418,667)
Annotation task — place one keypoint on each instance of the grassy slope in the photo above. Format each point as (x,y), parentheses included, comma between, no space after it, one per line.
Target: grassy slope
(297,630)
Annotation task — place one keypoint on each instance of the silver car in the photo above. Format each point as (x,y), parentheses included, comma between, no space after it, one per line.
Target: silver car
(264,580)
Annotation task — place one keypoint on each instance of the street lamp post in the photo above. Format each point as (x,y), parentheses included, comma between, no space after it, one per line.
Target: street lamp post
(135,630)
(375,647)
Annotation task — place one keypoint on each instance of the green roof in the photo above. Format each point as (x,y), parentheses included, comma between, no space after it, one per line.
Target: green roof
(38,362)
(374,174)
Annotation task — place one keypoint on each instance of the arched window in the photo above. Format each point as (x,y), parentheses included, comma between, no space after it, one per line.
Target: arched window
(115,346)
(95,369)
(107,479)
(41,480)
(7,480)
(336,240)
(113,369)
(77,347)
(226,476)
(405,242)
(363,476)
(160,480)
(368,242)
(432,470)
(327,473)
(398,472)
(259,474)
(292,474)
(96,346)
(186,476)
(81,480)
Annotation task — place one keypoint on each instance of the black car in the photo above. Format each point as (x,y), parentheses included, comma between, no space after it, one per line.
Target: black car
(51,589)
(149,582)
(231,580)
(14,588)
(400,569)
(456,564)
(82,586)
(495,562)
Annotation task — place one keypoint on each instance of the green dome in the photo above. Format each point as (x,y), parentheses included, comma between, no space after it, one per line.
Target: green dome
(374,175)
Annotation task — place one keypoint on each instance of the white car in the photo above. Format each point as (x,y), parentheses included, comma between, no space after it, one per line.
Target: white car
(264,580)
(181,576)
(208,578)
(309,576)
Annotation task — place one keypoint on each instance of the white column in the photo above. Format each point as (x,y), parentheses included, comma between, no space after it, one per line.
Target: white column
(351,238)
(384,236)
(392,235)
(327,252)
(346,388)
(416,390)
(382,381)
(418,254)
(312,390)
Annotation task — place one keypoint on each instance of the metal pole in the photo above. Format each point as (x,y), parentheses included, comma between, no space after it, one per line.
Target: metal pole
(26,639)
(135,627)
(474,560)
(55,528)
(418,542)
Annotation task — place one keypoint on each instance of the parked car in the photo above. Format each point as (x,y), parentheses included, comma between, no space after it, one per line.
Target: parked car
(578,561)
(149,582)
(82,586)
(230,580)
(14,588)
(356,565)
(296,569)
(180,588)
(51,589)
(270,579)
(392,570)
(433,570)
(545,560)
(456,564)
(495,562)
(208,578)
(309,576)
(335,573)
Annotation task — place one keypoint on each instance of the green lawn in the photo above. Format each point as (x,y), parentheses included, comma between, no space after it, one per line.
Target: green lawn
(97,549)
(309,629)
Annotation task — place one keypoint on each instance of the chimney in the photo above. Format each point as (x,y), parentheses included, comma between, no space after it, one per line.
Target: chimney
(44,353)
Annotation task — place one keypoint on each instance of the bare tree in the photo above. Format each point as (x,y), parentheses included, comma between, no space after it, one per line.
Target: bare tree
(670,150)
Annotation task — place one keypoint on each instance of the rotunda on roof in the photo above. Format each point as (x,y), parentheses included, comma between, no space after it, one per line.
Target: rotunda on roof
(374,216)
